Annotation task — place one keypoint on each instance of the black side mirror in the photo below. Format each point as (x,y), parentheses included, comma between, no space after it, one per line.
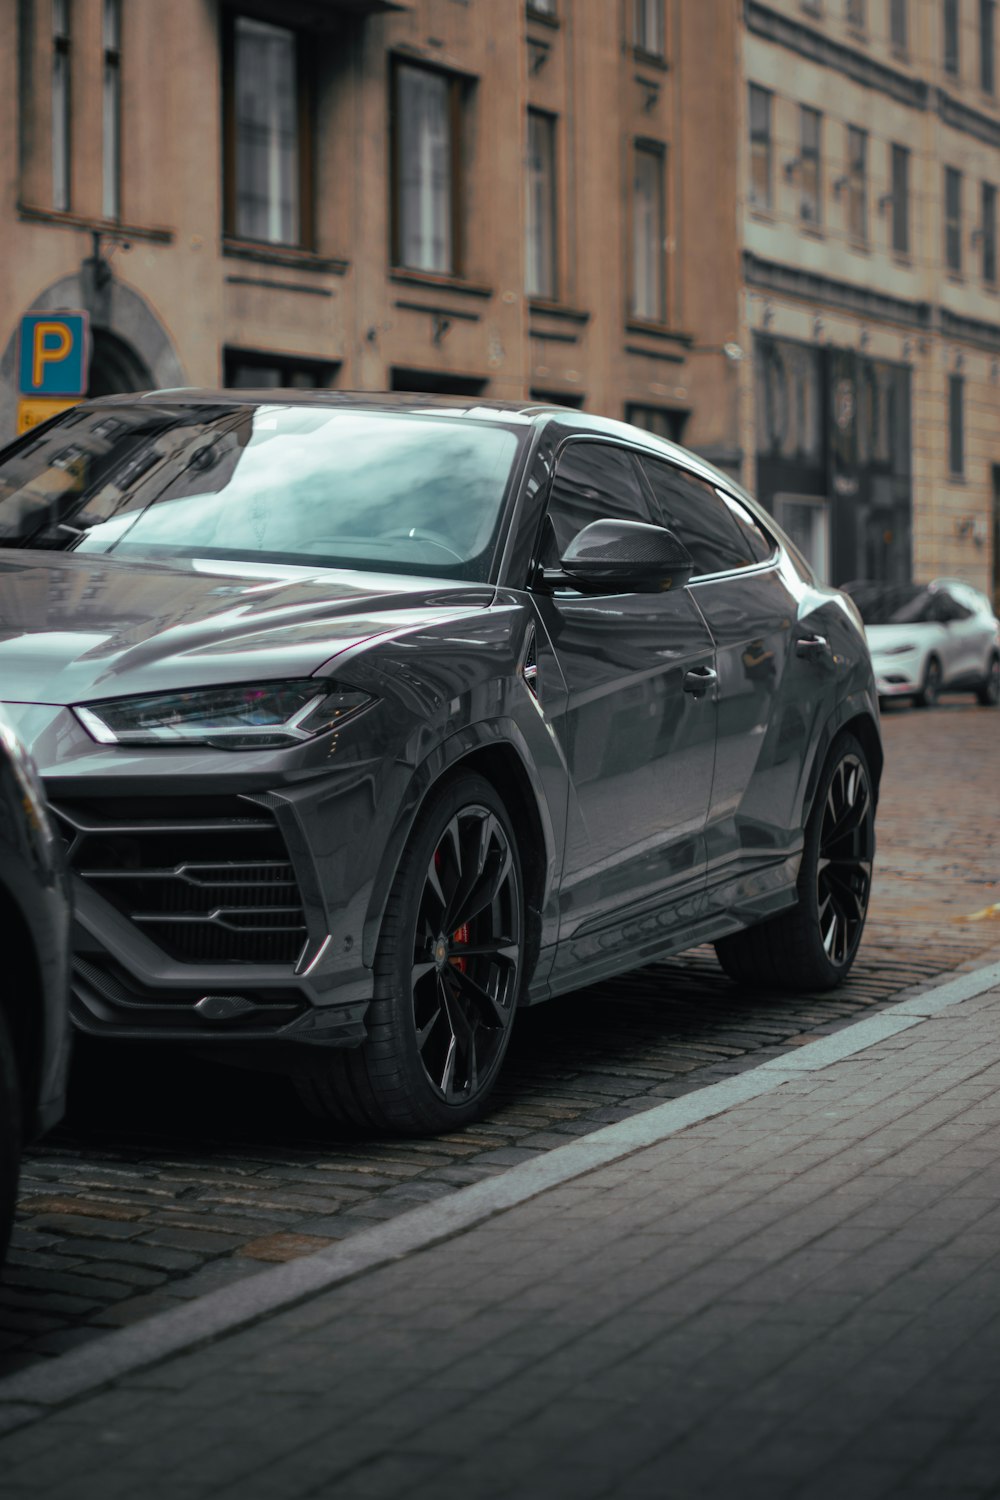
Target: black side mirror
(624,557)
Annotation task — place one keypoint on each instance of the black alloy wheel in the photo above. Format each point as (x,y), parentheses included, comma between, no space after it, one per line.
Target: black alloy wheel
(449,970)
(844,863)
(988,692)
(812,946)
(930,692)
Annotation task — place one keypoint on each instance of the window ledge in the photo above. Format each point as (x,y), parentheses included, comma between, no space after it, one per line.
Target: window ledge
(903,259)
(860,247)
(542,17)
(439,282)
(656,330)
(110,227)
(545,308)
(761,214)
(955,278)
(282,255)
(651,59)
(812,231)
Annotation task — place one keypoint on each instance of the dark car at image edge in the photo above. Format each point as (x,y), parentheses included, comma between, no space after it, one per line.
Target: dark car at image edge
(367,719)
(34,989)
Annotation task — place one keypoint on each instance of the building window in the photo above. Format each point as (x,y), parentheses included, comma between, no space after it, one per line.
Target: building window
(857,184)
(665,422)
(61,121)
(647,300)
(989,233)
(900,200)
(267,133)
(987,46)
(540,215)
(856,17)
(810,165)
(953,219)
(112,111)
(254,370)
(898,27)
(760,146)
(426,123)
(949,22)
(647,27)
(956,425)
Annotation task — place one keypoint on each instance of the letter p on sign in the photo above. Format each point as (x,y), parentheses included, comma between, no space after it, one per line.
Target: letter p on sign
(54,354)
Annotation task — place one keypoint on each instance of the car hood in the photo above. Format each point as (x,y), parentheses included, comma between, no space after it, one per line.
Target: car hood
(885,637)
(76,627)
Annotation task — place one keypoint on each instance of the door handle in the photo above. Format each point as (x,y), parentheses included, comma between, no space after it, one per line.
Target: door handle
(811,647)
(698,681)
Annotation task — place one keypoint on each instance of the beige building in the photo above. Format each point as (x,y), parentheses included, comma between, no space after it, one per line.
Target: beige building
(872,302)
(465,196)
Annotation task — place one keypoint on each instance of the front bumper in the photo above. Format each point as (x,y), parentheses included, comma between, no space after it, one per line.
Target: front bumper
(898,677)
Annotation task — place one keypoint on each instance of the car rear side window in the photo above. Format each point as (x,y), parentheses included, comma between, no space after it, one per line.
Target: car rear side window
(593,482)
(719,534)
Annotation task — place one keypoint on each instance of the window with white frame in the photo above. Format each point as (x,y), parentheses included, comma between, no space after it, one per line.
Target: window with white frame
(111,123)
(647,291)
(647,27)
(540,207)
(263,101)
(61,106)
(425,186)
(760,147)
(810,165)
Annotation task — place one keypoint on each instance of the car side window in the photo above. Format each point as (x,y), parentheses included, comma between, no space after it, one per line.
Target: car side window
(592,482)
(719,534)
(947,607)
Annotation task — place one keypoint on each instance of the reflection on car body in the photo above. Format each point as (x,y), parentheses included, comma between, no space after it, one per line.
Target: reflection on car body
(368,719)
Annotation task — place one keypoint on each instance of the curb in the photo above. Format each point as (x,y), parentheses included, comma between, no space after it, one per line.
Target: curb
(29,1394)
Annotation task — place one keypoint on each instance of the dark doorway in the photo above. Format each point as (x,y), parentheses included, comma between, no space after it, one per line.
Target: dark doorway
(115,367)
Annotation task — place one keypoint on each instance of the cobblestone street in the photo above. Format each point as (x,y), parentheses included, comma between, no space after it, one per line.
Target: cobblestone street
(171,1177)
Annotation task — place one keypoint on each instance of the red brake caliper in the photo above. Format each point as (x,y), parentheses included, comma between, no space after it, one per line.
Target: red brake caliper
(461,934)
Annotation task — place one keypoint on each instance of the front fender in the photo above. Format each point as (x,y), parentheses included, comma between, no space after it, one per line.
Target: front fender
(483,745)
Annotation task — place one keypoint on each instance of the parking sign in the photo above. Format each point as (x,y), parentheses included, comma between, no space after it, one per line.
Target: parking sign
(54,353)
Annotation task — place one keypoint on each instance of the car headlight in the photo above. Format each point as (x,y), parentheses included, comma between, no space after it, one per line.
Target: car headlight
(242,716)
(896,650)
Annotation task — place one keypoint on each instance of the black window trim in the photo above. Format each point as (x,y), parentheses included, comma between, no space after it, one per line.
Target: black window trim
(767,562)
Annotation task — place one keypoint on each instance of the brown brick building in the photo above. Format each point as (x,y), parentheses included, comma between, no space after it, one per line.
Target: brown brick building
(467,196)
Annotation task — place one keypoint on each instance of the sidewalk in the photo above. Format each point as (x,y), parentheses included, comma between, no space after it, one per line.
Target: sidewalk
(799,1296)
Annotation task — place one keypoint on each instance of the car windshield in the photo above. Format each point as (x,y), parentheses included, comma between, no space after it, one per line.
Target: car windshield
(306,485)
(894,604)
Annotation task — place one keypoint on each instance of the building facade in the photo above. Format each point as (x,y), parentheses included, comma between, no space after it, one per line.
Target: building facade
(871,167)
(462,196)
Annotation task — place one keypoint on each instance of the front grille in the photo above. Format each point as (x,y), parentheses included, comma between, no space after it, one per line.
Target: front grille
(209,881)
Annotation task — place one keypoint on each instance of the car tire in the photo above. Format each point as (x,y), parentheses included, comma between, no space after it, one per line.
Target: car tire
(988,692)
(812,946)
(439,1023)
(10,1135)
(931,689)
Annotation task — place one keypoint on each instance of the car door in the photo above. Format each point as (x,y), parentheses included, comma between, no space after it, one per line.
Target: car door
(965,644)
(637,729)
(767,697)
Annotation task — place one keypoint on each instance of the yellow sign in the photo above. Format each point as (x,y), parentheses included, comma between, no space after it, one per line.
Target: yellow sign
(31,410)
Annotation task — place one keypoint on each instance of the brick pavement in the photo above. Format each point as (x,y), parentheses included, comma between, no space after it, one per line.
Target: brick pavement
(799,1297)
(140,1202)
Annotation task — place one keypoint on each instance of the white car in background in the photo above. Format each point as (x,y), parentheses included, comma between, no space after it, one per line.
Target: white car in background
(930,638)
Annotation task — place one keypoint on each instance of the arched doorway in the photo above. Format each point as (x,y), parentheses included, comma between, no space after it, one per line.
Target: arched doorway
(115,366)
